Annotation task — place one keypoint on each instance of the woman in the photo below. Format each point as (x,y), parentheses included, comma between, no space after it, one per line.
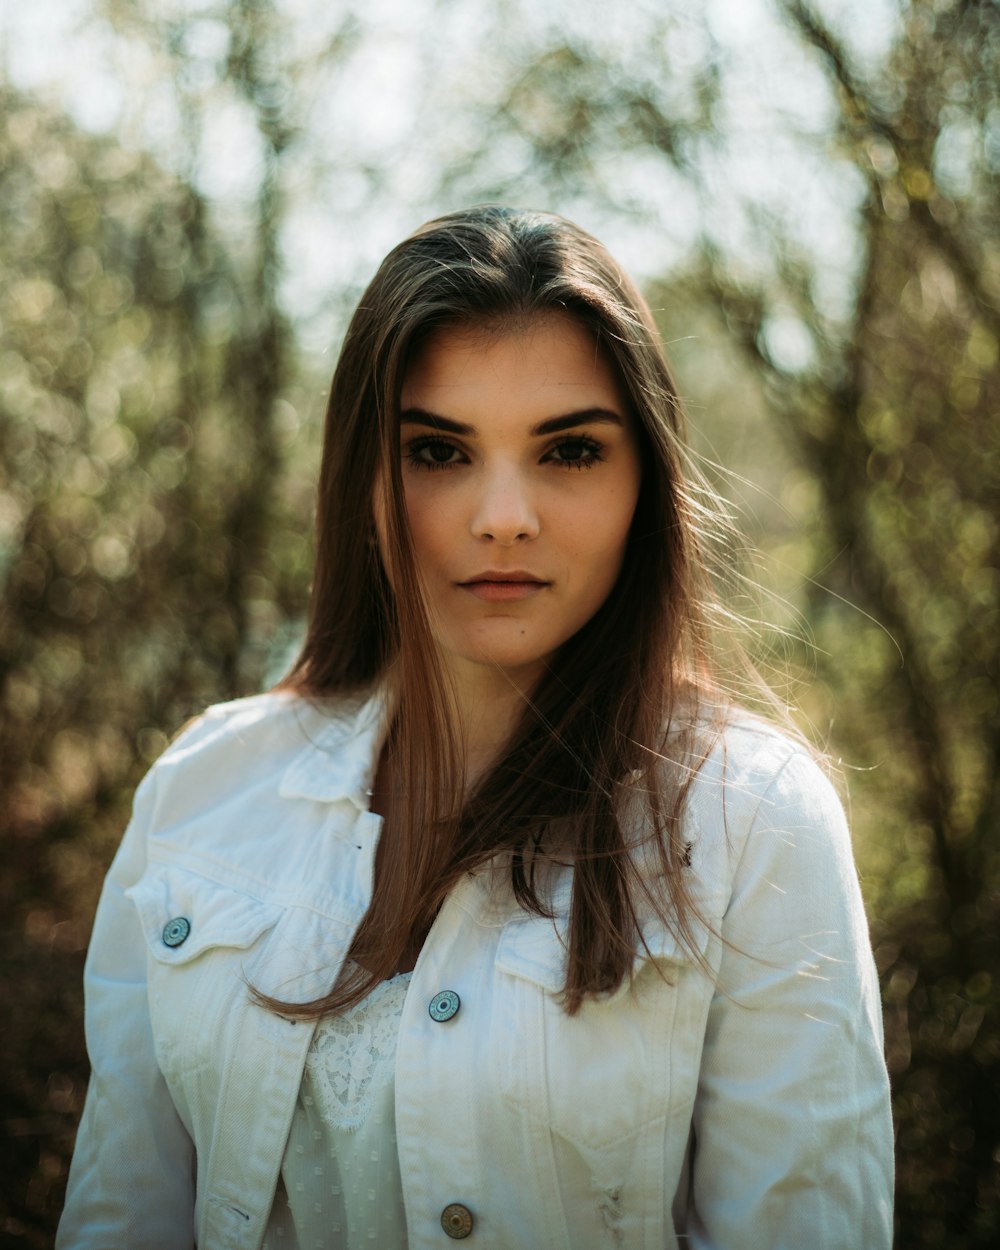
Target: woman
(496,919)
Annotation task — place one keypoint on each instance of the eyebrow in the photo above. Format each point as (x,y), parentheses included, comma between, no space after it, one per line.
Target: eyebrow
(554,425)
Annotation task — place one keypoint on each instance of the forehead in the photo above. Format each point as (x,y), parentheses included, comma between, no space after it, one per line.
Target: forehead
(546,356)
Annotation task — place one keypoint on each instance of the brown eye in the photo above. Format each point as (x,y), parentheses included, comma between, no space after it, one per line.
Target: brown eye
(432,453)
(576,452)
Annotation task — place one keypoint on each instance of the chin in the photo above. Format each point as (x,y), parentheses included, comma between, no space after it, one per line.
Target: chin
(505,659)
(510,659)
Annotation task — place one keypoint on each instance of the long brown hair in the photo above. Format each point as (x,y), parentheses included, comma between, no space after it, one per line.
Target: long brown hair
(619,702)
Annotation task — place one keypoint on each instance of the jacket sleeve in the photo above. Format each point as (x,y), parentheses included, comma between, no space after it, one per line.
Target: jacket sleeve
(792,1134)
(131,1181)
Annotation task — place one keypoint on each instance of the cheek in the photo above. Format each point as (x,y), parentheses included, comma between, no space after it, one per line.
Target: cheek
(432,527)
(382,518)
(602,546)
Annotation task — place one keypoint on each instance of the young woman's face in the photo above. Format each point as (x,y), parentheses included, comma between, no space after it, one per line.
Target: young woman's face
(521,474)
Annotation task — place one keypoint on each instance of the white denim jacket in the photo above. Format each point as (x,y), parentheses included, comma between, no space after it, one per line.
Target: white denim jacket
(739,1105)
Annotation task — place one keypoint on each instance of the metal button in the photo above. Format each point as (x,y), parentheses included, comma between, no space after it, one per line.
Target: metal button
(456,1220)
(175,932)
(443,1006)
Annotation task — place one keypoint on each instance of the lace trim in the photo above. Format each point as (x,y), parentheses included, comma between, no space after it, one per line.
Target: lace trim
(353,1055)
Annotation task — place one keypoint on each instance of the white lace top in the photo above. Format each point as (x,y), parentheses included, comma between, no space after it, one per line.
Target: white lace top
(340,1173)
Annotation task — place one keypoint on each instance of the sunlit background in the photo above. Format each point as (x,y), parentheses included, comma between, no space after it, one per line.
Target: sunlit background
(192,195)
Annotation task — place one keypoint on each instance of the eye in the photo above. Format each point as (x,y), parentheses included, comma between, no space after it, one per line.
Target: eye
(432,452)
(576,452)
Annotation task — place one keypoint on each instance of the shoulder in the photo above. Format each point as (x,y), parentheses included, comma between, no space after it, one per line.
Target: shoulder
(755,782)
(271,723)
(248,744)
(269,717)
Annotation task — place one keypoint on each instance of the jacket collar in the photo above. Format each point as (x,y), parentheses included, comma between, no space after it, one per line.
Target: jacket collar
(342,754)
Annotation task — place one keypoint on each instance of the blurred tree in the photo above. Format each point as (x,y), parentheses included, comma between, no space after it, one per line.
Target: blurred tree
(138,474)
(896,421)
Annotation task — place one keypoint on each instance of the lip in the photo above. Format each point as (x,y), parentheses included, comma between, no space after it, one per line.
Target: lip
(503,585)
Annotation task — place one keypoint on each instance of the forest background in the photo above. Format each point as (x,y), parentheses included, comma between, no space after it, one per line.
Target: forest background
(192,193)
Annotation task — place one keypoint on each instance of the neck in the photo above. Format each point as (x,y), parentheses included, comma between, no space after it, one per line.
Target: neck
(487,706)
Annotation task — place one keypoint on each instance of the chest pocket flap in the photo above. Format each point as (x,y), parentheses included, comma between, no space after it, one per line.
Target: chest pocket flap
(536,950)
(184,914)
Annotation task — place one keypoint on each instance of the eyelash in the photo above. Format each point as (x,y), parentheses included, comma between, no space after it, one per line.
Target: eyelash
(591,452)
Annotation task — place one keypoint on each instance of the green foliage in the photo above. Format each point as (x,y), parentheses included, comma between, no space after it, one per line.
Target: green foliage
(124,457)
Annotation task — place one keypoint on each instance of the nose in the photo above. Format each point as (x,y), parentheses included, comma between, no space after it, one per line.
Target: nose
(505,511)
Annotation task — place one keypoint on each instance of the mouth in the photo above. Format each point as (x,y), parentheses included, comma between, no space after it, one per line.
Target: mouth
(495,586)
